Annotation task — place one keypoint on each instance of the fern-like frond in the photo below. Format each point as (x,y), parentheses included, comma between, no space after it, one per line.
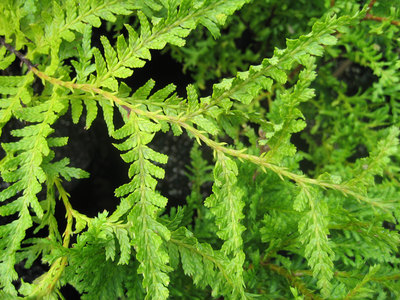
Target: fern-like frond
(226,205)
(64,22)
(26,167)
(173,28)
(14,91)
(359,291)
(6,59)
(142,203)
(199,173)
(16,16)
(285,116)
(247,85)
(378,160)
(93,254)
(206,266)
(313,229)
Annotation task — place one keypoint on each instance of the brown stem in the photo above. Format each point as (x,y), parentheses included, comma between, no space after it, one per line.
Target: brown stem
(293,280)
(370,16)
(18,54)
(370,5)
(380,19)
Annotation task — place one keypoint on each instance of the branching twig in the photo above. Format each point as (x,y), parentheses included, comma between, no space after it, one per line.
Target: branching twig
(370,5)
(50,279)
(380,19)
(301,273)
(182,121)
(293,280)
(370,16)
(18,54)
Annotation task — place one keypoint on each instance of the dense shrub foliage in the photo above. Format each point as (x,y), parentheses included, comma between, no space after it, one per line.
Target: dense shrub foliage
(298,101)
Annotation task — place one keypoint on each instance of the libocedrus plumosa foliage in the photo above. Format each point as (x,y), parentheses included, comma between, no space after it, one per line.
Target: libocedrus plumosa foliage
(269,228)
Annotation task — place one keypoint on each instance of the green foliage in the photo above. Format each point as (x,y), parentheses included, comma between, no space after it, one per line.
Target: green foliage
(304,199)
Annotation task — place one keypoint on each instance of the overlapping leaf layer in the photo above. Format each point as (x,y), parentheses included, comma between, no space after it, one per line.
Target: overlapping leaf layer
(258,221)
